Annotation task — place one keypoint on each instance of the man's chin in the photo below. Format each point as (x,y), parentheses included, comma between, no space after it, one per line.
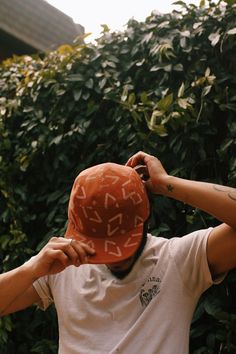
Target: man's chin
(122,271)
(120,274)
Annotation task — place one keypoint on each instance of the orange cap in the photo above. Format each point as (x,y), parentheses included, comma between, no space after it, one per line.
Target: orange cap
(107,209)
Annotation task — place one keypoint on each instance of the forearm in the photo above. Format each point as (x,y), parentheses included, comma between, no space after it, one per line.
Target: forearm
(219,201)
(13,284)
(16,290)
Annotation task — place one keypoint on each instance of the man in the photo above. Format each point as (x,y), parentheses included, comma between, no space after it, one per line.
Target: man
(115,288)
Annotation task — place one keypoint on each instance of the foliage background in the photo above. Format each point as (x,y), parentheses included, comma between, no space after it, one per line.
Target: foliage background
(166,86)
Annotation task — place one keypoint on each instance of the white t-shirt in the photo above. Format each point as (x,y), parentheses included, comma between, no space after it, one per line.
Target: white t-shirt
(147,312)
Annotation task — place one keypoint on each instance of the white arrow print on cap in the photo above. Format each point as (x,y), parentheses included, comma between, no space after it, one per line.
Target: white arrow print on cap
(107,197)
(85,213)
(114,249)
(113,178)
(80,193)
(80,223)
(110,230)
(97,217)
(94,176)
(131,240)
(138,220)
(135,197)
(106,180)
(82,237)
(91,214)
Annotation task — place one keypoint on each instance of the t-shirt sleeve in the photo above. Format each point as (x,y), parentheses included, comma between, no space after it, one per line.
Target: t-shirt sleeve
(190,255)
(41,285)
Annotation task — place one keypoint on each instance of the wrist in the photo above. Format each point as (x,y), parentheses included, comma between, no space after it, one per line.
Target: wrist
(165,186)
(30,270)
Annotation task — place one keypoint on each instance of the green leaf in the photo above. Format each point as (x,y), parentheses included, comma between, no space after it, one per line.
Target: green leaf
(164,24)
(190,219)
(158,129)
(75,77)
(131,98)
(231,31)
(105,28)
(181,90)
(228,106)
(124,94)
(214,38)
(86,96)
(178,67)
(136,116)
(56,140)
(197,25)
(226,144)
(165,103)
(183,103)
(144,97)
(147,37)
(180,3)
(102,83)
(77,94)
(89,83)
(206,90)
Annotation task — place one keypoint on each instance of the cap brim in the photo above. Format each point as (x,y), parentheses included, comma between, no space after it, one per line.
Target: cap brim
(110,249)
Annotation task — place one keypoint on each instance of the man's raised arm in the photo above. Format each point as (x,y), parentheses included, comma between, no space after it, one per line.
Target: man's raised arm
(218,201)
(16,290)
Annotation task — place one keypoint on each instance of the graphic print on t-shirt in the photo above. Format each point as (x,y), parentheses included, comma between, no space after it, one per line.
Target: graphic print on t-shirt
(149,290)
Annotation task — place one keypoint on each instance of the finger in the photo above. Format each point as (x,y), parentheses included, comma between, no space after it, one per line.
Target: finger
(83,250)
(142,171)
(64,245)
(135,159)
(59,256)
(138,158)
(88,249)
(75,257)
(77,252)
(81,253)
(57,240)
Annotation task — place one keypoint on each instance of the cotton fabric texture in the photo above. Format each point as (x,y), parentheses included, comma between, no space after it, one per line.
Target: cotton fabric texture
(107,209)
(148,312)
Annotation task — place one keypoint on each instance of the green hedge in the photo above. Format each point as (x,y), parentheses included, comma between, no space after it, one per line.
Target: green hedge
(166,86)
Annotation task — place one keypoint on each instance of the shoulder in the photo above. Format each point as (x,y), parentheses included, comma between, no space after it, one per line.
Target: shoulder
(153,241)
(194,239)
(188,240)
(180,248)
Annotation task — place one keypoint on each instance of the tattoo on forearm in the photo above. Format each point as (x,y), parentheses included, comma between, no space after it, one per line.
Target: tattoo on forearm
(221,188)
(232,195)
(170,188)
(230,191)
